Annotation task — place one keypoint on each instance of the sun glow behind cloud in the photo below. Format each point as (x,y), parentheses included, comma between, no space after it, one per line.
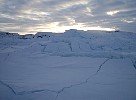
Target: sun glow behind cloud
(54,27)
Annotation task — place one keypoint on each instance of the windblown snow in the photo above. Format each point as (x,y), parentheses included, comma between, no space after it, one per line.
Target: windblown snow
(74,65)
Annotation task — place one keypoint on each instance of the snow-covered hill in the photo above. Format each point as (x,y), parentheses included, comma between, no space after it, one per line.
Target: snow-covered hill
(74,65)
(72,43)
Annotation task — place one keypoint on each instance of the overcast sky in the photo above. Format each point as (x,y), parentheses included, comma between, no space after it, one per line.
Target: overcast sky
(31,16)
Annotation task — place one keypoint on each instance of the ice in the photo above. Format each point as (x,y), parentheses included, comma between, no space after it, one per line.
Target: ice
(74,65)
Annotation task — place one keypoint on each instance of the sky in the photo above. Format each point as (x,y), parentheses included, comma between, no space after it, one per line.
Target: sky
(31,16)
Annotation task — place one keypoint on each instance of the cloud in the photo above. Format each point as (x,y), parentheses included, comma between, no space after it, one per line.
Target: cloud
(31,16)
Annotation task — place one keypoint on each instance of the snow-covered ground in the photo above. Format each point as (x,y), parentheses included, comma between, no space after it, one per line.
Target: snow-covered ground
(75,65)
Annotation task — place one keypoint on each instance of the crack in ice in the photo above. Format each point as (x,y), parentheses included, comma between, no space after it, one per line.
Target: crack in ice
(44,47)
(84,82)
(8,86)
(59,91)
(36,91)
(134,63)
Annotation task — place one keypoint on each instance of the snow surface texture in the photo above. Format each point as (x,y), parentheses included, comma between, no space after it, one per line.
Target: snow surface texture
(75,65)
